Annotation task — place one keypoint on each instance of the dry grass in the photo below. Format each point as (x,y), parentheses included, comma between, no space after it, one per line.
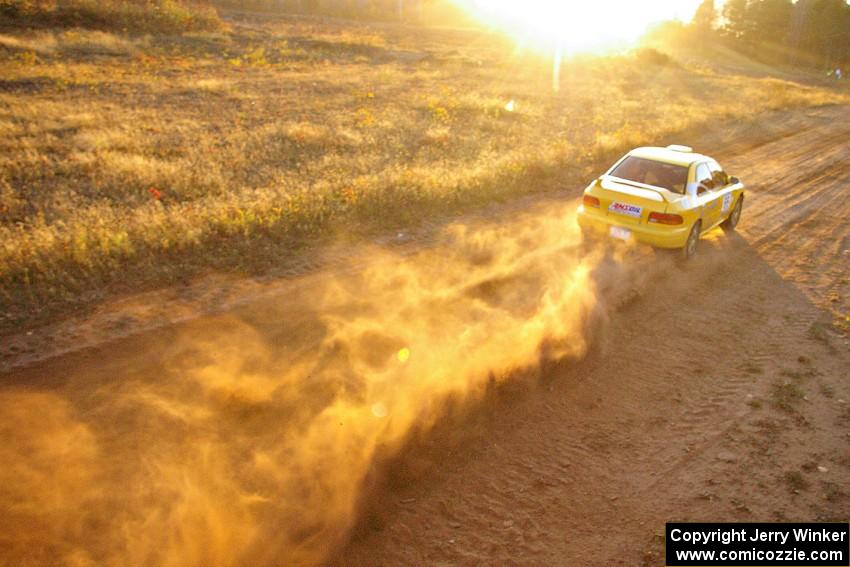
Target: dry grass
(135,161)
(137,16)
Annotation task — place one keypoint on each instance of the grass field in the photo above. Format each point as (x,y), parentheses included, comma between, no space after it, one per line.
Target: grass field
(134,161)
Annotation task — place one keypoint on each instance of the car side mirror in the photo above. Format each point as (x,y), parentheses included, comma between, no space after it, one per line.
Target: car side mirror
(734,180)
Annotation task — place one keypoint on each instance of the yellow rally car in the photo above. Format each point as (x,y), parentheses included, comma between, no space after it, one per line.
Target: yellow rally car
(665,197)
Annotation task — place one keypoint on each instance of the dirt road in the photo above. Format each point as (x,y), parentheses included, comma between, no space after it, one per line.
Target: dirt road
(716,397)
(408,400)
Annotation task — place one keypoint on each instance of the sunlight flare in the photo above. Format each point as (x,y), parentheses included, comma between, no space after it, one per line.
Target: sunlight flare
(578,27)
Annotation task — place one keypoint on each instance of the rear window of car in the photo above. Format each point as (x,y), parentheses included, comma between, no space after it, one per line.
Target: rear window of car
(650,172)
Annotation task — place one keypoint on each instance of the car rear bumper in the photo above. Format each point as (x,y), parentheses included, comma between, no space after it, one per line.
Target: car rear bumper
(660,236)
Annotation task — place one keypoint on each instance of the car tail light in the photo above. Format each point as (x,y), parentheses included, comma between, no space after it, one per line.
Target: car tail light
(665,218)
(590,201)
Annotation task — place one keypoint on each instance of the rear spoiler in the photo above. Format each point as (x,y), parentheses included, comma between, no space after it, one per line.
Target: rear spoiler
(651,192)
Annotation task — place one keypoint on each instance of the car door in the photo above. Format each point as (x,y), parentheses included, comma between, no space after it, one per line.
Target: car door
(708,199)
(723,189)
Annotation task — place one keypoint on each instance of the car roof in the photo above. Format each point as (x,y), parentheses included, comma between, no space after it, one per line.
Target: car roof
(668,155)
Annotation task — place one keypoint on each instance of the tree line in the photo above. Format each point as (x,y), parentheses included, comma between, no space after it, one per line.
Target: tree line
(810,32)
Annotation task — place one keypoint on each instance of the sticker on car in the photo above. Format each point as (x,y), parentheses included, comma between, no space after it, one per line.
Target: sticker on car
(625,209)
(727,202)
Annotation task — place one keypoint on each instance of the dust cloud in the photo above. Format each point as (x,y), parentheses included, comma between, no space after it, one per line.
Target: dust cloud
(246,439)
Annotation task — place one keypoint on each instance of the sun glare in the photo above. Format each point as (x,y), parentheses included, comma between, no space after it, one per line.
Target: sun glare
(578,27)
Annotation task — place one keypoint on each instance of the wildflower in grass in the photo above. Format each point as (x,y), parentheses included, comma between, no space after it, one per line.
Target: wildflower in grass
(155,193)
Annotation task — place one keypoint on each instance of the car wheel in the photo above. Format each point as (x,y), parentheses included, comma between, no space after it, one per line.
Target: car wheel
(734,217)
(691,243)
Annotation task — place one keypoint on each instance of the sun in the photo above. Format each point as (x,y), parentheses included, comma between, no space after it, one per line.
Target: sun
(571,26)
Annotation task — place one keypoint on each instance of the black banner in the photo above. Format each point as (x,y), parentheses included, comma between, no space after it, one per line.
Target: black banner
(758,545)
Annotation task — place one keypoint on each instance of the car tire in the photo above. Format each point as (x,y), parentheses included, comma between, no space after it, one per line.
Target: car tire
(734,217)
(690,248)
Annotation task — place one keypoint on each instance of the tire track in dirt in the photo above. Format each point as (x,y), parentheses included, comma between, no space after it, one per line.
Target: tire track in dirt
(800,230)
